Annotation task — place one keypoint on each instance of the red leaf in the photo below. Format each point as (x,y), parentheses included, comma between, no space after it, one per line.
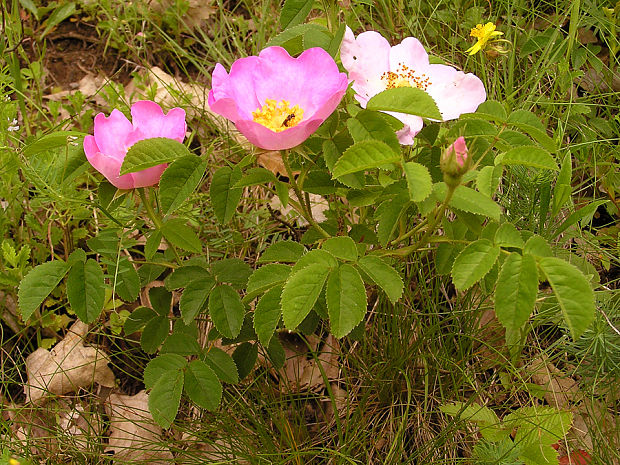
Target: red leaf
(578,457)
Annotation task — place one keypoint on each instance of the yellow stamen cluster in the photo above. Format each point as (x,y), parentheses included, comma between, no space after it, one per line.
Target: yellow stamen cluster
(483,34)
(278,116)
(405,77)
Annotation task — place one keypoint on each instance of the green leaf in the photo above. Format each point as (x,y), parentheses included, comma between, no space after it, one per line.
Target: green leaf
(222,365)
(152,244)
(59,14)
(256,176)
(579,215)
(364,155)
(573,292)
(384,276)
(180,235)
(160,299)
(409,100)
(225,198)
(233,271)
(538,425)
(194,298)
(342,247)
(473,263)
(265,278)
(267,315)
(38,284)
(529,123)
(226,310)
(472,201)
(202,385)
(389,216)
(346,300)
(563,188)
(179,180)
(138,319)
(488,179)
(301,291)
(368,125)
(508,236)
(315,256)
(538,247)
(154,334)
(283,251)
(180,344)
(515,291)
(276,353)
(245,356)
(152,152)
(184,275)
(294,12)
(165,398)
(125,280)
(527,156)
(484,417)
(86,290)
(160,365)
(419,181)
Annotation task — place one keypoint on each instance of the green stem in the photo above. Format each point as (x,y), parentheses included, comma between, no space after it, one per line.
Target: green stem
(425,239)
(156,219)
(304,209)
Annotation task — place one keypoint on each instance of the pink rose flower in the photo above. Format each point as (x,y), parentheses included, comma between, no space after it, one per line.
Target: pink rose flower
(459,148)
(277,101)
(375,66)
(114,135)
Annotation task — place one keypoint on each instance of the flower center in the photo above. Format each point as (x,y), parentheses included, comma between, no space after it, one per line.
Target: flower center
(278,116)
(405,77)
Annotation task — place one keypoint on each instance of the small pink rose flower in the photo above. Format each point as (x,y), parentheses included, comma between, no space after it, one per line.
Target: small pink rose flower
(459,148)
(454,162)
(375,66)
(277,101)
(114,134)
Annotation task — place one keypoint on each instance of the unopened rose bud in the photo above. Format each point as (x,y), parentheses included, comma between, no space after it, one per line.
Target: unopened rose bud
(455,162)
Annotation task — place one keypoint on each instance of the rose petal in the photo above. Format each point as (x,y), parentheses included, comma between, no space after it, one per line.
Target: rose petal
(111,134)
(365,58)
(110,167)
(454,91)
(239,86)
(411,53)
(149,176)
(149,120)
(267,139)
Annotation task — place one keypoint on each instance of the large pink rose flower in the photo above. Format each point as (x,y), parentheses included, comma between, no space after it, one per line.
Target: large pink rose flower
(277,101)
(375,66)
(114,135)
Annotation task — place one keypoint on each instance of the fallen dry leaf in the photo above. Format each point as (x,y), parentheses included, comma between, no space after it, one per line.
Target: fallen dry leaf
(66,367)
(198,11)
(318,207)
(560,389)
(134,436)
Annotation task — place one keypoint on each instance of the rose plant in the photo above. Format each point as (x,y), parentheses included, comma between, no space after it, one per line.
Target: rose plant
(411,159)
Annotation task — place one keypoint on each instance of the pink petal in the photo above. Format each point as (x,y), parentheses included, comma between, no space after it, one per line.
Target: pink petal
(149,120)
(412,125)
(110,167)
(267,139)
(111,134)
(454,91)
(149,176)
(306,81)
(411,53)
(238,85)
(365,58)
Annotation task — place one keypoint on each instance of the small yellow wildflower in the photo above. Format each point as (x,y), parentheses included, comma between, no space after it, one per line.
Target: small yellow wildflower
(483,34)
